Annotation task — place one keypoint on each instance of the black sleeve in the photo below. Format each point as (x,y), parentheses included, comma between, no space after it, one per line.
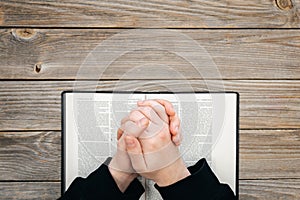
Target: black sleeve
(201,184)
(101,185)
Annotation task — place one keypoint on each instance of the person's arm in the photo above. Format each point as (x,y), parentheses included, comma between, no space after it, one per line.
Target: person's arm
(201,184)
(101,185)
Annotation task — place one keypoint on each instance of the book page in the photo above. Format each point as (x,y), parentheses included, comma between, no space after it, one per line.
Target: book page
(224,151)
(92,120)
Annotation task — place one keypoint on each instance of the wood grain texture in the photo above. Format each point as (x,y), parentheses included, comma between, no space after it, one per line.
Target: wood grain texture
(30,105)
(59,54)
(269,153)
(37,155)
(151,13)
(30,155)
(287,189)
(270,189)
(29,190)
(253,47)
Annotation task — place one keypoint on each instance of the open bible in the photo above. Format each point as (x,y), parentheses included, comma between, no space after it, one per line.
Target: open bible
(209,127)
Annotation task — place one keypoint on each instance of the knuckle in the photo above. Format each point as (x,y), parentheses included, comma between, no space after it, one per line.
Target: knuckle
(165,133)
(147,108)
(135,115)
(152,145)
(164,136)
(132,112)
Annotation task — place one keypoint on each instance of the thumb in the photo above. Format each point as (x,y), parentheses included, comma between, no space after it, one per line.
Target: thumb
(135,153)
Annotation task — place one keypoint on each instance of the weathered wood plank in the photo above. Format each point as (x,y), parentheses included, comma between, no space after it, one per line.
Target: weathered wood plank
(287,189)
(270,189)
(151,13)
(37,155)
(29,190)
(30,156)
(269,153)
(238,54)
(30,105)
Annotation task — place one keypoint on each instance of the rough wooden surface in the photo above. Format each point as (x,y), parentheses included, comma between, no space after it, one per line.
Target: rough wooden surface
(151,13)
(29,190)
(269,154)
(30,105)
(254,44)
(263,155)
(270,189)
(30,155)
(238,54)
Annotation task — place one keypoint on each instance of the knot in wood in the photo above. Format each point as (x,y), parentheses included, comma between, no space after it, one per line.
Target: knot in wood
(284,4)
(38,67)
(24,34)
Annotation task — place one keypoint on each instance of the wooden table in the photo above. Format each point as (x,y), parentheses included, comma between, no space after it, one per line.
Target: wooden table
(255,45)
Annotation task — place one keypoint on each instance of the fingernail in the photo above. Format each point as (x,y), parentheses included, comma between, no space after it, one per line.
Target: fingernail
(176,129)
(176,139)
(144,121)
(129,142)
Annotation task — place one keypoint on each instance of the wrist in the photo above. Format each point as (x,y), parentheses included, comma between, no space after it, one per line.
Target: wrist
(172,173)
(122,179)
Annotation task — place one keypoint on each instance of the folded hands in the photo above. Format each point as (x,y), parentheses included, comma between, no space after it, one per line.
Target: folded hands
(148,142)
